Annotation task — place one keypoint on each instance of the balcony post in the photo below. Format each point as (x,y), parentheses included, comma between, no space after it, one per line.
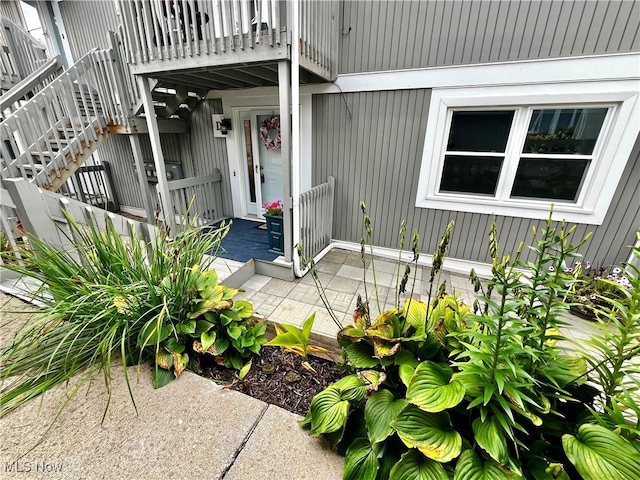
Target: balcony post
(285,152)
(158,157)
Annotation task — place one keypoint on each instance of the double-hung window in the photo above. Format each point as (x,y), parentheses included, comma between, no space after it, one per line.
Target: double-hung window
(516,150)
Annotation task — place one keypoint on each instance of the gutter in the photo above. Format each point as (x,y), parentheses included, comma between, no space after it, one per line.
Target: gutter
(295,135)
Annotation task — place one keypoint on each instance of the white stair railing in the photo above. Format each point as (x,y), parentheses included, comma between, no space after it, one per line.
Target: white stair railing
(48,138)
(23,55)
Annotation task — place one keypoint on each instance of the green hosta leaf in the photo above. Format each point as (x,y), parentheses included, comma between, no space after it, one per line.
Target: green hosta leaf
(235,331)
(352,332)
(490,437)
(416,313)
(208,279)
(201,327)
(153,333)
(243,308)
(381,408)
(471,467)
(221,345)
(174,345)
(431,388)
(598,453)
(162,377)
(406,372)
(187,327)
(259,329)
(207,339)
(244,370)
(360,355)
(351,388)
(431,433)
(415,466)
(361,461)
(230,313)
(328,411)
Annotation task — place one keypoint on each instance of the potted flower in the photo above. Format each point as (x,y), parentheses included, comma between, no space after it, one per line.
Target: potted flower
(593,288)
(275,232)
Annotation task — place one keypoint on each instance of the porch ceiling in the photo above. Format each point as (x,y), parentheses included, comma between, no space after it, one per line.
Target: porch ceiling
(244,75)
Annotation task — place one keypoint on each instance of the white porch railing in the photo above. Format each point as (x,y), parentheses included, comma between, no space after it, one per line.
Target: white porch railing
(217,32)
(199,197)
(20,53)
(166,29)
(316,217)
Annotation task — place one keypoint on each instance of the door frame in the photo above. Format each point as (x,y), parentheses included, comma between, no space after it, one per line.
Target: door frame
(253,115)
(261,98)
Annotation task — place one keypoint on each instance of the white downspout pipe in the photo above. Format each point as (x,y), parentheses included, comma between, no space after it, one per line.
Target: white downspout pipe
(295,133)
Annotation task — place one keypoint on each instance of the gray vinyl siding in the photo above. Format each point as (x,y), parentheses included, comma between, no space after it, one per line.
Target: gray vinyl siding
(197,151)
(88,23)
(374,150)
(400,34)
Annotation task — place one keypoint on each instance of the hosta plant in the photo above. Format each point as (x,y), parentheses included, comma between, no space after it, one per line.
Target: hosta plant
(441,390)
(112,298)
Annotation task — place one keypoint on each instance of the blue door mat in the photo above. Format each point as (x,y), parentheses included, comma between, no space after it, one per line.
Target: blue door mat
(245,240)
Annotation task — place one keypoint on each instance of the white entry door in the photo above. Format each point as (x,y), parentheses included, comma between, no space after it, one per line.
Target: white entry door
(262,165)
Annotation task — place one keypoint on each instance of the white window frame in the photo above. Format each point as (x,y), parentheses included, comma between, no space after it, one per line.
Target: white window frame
(610,155)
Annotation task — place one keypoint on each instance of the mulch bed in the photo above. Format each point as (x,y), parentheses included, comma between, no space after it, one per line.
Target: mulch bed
(277,378)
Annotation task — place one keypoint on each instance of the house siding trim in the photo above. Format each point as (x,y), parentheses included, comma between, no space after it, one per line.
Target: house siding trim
(623,66)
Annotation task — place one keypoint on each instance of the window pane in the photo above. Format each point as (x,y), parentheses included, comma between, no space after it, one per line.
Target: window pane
(465,174)
(480,131)
(564,130)
(549,178)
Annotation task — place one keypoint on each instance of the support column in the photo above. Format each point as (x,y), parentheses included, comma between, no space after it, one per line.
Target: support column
(285,152)
(149,204)
(144,85)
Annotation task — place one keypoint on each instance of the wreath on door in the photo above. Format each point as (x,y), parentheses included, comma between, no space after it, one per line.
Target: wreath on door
(266,133)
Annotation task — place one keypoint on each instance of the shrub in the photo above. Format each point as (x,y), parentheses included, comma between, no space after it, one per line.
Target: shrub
(115,298)
(439,390)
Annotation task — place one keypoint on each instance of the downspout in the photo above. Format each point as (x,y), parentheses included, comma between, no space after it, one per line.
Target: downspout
(295,134)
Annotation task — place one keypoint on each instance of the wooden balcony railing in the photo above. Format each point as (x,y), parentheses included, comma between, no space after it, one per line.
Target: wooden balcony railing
(163,34)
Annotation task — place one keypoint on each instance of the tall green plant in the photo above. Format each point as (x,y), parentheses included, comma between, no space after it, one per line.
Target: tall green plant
(438,391)
(114,298)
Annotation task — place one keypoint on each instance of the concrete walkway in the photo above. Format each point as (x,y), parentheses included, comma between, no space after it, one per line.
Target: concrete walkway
(192,428)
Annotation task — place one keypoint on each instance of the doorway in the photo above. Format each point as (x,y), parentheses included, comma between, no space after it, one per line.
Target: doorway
(262,161)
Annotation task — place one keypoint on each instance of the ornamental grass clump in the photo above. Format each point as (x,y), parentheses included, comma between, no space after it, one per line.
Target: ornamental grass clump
(440,390)
(111,299)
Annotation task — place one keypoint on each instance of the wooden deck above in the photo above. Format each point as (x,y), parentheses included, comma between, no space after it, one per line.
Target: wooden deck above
(222,44)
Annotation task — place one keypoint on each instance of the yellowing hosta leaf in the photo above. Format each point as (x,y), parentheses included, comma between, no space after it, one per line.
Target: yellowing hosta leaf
(598,453)
(415,466)
(381,408)
(415,312)
(431,388)
(471,467)
(328,411)
(372,378)
(431,433)
(180,361)
(360,355)
(490,436)
(383,348)
(164,359)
